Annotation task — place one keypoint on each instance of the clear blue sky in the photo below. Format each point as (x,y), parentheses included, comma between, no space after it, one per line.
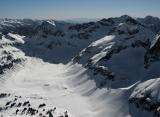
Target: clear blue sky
(67,9)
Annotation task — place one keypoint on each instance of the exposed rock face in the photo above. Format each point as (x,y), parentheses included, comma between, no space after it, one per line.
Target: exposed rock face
(128,39)
(153,54)
(9,58)
(115,51)
(146,96)
(152,22)
(9,54)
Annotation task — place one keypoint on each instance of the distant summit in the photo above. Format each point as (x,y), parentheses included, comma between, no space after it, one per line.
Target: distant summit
(81,20)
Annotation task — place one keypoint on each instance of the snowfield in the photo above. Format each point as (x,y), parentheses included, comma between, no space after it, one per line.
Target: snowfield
(107,68)
(66,87)
(41,82)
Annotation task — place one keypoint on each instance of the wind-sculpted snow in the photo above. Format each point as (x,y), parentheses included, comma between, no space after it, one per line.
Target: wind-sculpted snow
(120,56)
(146,96)
(53,68)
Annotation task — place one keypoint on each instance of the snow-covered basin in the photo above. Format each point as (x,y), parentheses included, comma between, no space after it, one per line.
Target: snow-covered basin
(66,87)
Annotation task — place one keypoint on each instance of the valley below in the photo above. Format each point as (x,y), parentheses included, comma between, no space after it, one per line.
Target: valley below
(59,88)
(106,68)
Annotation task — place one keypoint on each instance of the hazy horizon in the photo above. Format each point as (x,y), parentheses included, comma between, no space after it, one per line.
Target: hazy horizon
(74,9)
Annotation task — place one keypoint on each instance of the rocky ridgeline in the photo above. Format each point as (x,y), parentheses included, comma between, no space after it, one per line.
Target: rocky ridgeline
(145,103)
(121,50)
(146,96)
(8,59)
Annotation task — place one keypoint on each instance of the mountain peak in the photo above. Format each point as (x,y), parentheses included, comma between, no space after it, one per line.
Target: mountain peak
(125,16)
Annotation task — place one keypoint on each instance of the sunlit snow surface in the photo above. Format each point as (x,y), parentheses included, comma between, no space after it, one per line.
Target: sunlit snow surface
(63,86)
(58,81)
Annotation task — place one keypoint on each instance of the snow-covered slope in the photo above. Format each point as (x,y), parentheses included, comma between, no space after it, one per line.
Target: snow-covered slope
(38,89)
(122,55)
(94,69)
(146,96)
(10,55)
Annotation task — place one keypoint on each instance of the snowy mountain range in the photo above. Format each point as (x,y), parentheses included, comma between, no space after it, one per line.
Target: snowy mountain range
(106,68)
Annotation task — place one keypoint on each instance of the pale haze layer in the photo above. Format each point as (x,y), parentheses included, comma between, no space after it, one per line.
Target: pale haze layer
(68,9)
